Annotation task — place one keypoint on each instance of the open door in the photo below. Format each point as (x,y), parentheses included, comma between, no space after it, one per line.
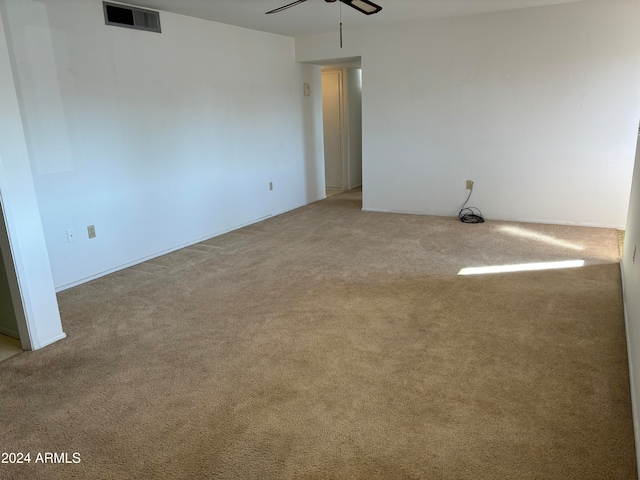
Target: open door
(342,123)
(8,321)
(10,342)
(333,122)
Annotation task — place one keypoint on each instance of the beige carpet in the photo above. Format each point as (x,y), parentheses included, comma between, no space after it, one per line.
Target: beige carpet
(334,343)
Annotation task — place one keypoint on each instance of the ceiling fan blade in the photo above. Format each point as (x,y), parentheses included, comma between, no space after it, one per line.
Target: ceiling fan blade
(364,6)
(285,7)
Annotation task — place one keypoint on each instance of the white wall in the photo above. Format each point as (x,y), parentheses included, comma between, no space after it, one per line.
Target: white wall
(159,140)
(631,285)
(22,241)
(538,106)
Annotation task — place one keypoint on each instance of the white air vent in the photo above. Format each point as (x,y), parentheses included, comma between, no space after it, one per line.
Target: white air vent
(131,17)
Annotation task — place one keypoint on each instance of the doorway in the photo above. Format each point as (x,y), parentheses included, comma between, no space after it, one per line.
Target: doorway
(9,334)
(333,125)
(8,321)
(342,124)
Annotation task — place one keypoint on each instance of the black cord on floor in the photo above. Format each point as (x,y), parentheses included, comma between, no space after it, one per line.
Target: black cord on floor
(469,215)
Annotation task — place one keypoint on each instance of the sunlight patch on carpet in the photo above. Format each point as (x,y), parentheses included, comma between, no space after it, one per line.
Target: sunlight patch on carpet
(521,232)
(523,267)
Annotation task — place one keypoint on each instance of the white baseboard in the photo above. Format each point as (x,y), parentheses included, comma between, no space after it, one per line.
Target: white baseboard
(404,212)
(521,220)
(177,247)
(156,255)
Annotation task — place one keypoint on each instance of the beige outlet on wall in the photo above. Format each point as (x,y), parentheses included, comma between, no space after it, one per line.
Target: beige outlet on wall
(469,184)
(91,230)
(270,185)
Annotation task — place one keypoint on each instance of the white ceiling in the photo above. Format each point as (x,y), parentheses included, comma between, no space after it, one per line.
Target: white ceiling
(317,16)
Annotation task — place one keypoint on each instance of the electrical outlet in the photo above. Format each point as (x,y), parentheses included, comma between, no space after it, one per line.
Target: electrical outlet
(270,185)
(71,236)
(469,184)
(91,230)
